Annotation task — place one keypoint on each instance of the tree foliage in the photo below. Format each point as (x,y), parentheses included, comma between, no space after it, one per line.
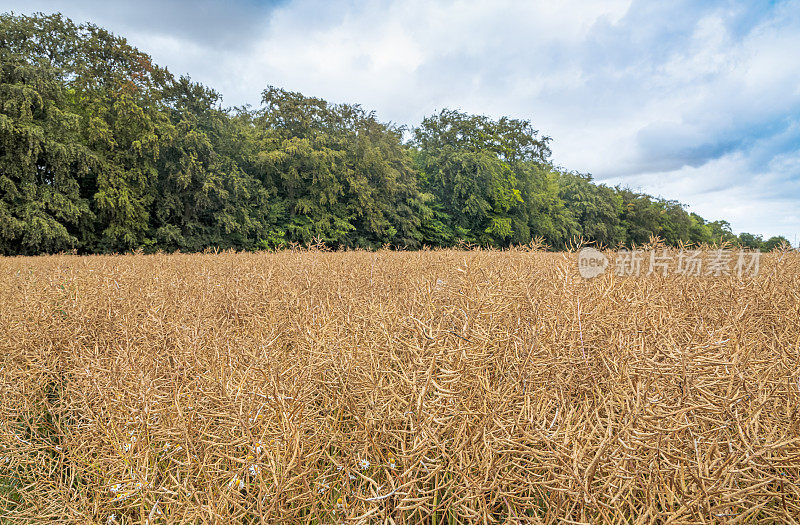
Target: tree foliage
(103,151)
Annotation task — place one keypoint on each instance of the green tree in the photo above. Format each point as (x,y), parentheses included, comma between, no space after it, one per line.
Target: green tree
(344,177)
(543,212)
(774,242)
(107,94)
(595,208)
(468,162)
(720,232)
(208,190)
(699,232)
(750,241)
(42,159)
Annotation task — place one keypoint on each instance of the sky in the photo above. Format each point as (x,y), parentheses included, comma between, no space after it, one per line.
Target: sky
(687,100)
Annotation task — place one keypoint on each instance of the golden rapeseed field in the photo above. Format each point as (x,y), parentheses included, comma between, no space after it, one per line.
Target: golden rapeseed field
(436,386)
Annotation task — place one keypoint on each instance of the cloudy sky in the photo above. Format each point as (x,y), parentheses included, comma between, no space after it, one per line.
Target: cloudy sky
(696,101)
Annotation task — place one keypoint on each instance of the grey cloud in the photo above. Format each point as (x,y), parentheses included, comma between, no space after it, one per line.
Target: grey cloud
(667,147)
(204,23)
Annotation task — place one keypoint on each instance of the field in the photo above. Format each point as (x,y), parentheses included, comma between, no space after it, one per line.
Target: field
(395,387)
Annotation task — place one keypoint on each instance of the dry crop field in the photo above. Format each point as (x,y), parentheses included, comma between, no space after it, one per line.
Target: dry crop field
(390,387)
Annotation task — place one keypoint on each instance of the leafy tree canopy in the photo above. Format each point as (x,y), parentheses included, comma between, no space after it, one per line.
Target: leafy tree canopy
(103,151)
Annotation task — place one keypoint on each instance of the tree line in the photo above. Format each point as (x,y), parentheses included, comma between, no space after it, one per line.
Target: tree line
(101,150)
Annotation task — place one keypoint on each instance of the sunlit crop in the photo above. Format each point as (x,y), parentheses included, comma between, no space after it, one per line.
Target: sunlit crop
(435,386)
